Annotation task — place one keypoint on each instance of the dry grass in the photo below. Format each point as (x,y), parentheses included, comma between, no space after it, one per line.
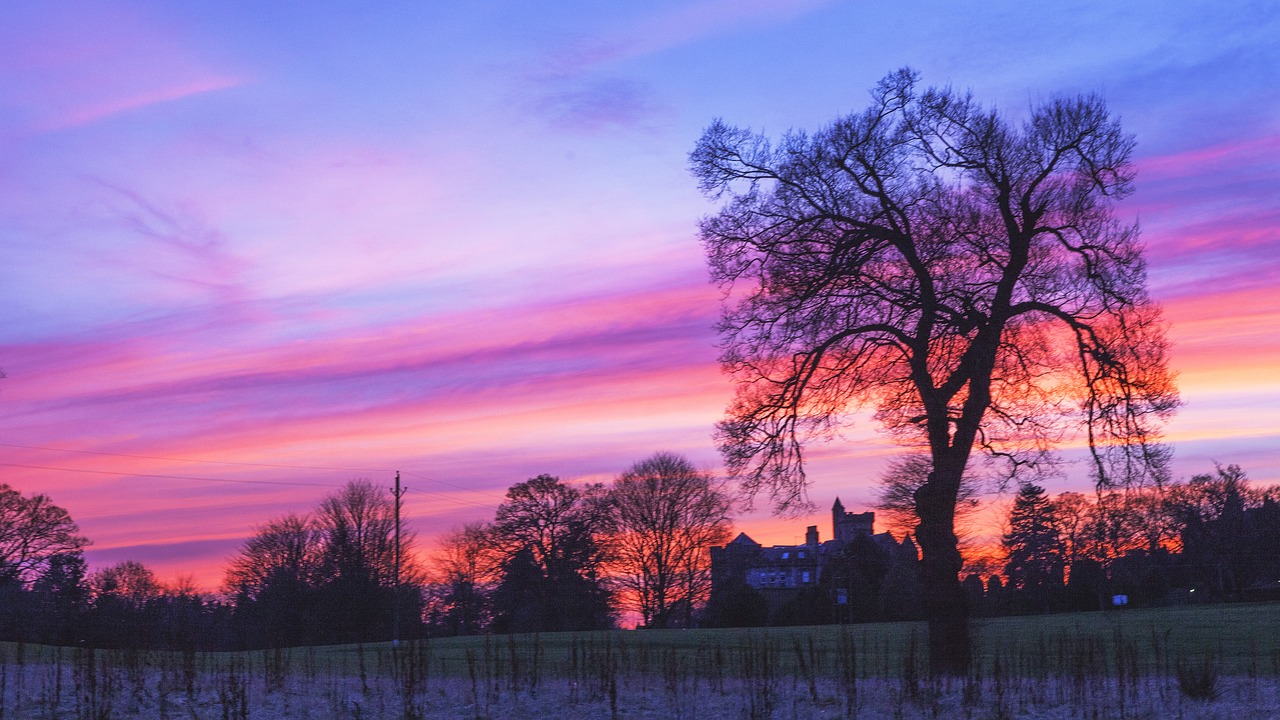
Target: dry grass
(1192,663)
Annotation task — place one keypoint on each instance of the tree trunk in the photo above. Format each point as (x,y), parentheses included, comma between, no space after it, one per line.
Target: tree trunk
(946,605)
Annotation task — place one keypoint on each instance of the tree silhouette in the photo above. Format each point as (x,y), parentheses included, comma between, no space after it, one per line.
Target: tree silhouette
(666,516)
(273,581)
(63,598)
(551,579)
(124,604)
(962,274)
(328,576)
(467,566)
(357,563)
(32,531)
(284,549)
(1034,548)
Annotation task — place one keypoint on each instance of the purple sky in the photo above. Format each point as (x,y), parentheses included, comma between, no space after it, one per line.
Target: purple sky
(298,245)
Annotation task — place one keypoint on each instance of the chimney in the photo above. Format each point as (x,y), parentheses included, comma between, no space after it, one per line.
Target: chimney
(811,536)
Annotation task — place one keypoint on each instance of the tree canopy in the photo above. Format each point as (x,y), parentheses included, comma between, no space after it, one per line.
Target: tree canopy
(666,514)
(33,531)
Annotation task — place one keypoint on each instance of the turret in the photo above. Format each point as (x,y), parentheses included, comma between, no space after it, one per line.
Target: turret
(846,525)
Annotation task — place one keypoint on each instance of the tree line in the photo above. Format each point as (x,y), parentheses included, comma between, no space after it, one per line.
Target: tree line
(559,557)
(323,577)
(1209,539)
(555,557)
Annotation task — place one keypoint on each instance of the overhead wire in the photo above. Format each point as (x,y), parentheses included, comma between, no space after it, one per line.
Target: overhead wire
(193,460)
(163,477)
(159,476)
(488,495)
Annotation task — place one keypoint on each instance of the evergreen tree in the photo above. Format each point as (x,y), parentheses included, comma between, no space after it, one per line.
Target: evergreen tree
(1034,549)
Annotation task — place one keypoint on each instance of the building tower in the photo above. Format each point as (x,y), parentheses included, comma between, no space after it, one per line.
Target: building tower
(845,526)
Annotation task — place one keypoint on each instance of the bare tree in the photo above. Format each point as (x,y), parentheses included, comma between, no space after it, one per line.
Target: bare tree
(32,531)
(129,583)
(357,525)
(285,549)
(468,566)
(468,554)
(556,522)
(897,493)
(549,535)
(667,515)
(1071,513)
(962,274)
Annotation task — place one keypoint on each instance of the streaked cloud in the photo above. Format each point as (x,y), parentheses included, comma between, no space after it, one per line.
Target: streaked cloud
(249,254)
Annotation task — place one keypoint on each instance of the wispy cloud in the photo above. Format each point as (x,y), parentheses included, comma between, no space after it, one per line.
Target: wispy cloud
(96,111)
(93,63)
(578,85)
(598,105)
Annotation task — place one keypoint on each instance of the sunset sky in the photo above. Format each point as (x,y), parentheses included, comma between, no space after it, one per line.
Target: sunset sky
(250,252)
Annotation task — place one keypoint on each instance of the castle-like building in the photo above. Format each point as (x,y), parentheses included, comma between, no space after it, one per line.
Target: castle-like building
(780,572)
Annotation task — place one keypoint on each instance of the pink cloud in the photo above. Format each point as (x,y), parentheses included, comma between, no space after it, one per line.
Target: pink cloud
(566,387)
(90,63)
(88,114)
(1197,162)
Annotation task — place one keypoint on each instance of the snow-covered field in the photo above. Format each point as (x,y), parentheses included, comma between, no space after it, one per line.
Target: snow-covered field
(227,687)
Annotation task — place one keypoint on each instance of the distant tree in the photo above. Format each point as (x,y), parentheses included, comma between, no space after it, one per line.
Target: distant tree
(1115,525)
(736,604)
(357,562)
(1034,548)
(977,593)
(129,583)
(467,569)
(124,609)
(189,619)
(328,576)
(32,531)
(358,529)
(666,516)
(284,550)
(549,534)
(524,600)
(1086,585)
(961,273)
(1225,536)
(62,595)
(274,581)
(1071,514)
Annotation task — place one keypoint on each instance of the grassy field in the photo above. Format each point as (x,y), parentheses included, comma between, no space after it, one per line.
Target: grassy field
(1241,638)
(1135,663)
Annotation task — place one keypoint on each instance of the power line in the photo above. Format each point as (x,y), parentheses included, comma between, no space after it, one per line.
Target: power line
(166,477)
(486,494)
(192,460)
(155,476)
(416,491)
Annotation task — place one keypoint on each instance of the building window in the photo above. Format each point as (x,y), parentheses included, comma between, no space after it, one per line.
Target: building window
(786,555)
(805,577)
(801,554)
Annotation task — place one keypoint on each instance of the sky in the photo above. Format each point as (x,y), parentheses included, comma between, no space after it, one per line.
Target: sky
(251,251)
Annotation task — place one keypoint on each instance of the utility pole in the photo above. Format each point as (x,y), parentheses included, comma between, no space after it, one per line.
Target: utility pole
(395,601)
